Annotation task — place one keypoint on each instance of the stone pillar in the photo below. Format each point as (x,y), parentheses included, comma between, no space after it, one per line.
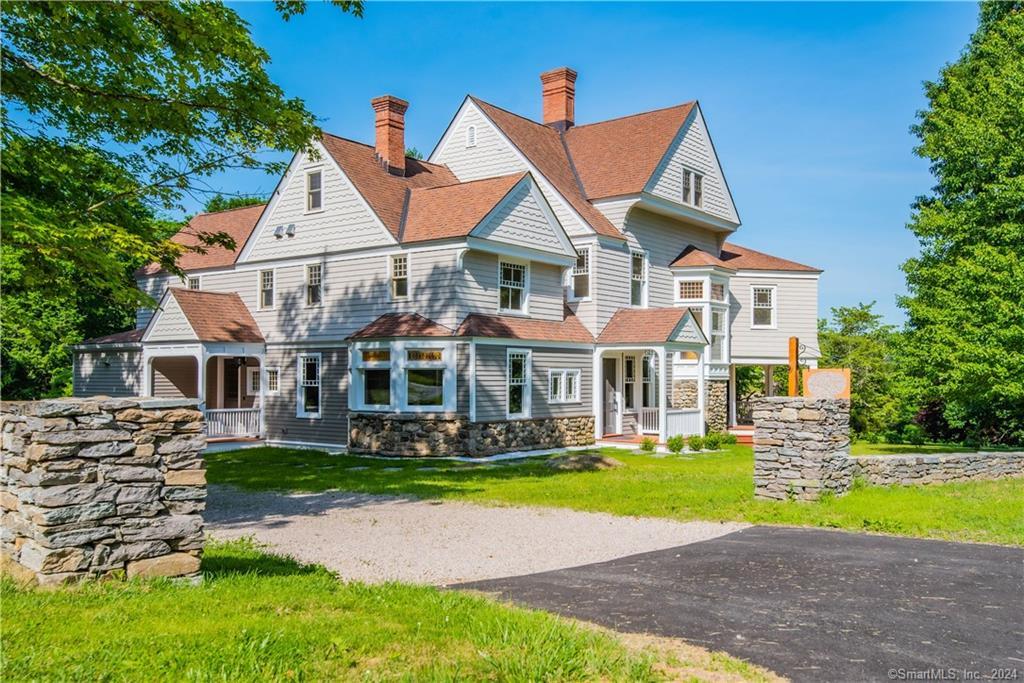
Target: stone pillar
(101,487)
(801,447)
(716,410)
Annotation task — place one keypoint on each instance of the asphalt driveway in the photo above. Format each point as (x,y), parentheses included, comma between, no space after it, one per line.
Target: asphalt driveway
(809,604)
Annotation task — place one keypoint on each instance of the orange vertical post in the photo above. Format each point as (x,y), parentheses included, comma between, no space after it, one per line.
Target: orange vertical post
(794,353)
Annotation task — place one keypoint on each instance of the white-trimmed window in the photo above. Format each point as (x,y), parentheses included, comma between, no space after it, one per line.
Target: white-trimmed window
(564,386)
(638,278)
(425,369)
(517,380)
(314,191)
(253,381)
(266,289)
(717,291)
(314,284)
(718,335)
(629,382)
(691,290)
(512,283)
(375,373)
(193,282)
(649,369)
(693,188)
(273,380)
(399,276)
(471,136)
(404,376)
(762,306)
(581,274)
(308,385)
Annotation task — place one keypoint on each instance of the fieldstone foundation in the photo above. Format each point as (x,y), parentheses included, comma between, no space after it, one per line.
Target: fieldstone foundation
(101,487)
(801,447)
(716,406)
(684,393)
(424,435)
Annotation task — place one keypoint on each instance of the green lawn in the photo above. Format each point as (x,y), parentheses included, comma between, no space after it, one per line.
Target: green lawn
(258,617)
(712,486)
(866,448)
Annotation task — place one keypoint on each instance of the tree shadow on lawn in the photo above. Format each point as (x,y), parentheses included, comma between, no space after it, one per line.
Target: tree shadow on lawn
(245,557)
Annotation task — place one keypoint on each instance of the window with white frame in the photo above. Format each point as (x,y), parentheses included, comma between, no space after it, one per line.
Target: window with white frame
(273,380)
(691,289)
(471,136)
(193,283)
(638,278)
(266,289)
(399,276)
(629,382)
(717,291)
(424,377)
(517,377)
(404,375)
(718,335)
(762,309)
(693,188)
(511,287)
(309,385)
(254,381)
(314,191)
(649,378)
(563,386)
(374,368)
(314,284)
(581,274)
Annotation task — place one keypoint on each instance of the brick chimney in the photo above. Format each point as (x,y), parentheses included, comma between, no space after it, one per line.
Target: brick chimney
(558,88)
(390,123)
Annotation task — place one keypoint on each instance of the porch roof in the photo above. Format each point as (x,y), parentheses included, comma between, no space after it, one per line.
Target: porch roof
(401,325)
(213,316)
(126,337)
(651,326)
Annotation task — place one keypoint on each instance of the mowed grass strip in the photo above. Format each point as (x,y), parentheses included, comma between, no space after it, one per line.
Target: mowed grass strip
(713,486)
(258,617)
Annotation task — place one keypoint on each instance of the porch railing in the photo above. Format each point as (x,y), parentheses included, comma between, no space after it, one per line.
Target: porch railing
(649,421)
(684,421)
(233,422)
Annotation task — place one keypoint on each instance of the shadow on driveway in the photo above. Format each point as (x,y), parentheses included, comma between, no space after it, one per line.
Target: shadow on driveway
(809,604)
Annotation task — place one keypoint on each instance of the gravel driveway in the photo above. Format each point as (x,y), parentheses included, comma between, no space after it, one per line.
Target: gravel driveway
(380,538)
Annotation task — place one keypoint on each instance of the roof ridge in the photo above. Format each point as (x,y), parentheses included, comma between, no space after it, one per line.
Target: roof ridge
(512,113)
(202,291)
(629,116)
(369,146)
(572,165)
(234,208)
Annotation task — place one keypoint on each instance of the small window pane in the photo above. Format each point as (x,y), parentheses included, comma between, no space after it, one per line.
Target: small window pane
(572,385)
(717,291)
(511,286)
(686,187)
(377,387)
(698,189)
(254,382)
(581,275)
(762,316)
(399,276)
(193,283)
(691,289)
(376,355)
(272,381)
(425,355)
(314,287)
(515,400)
(555,387)
(311,399)
(425,386)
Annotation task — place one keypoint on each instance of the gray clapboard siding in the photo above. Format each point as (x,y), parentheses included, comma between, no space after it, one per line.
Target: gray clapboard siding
(491,392)
(175,377)
(344,223)
(613,283)
(796,311)
(280,408)
(154,286)
(107,373)
(479,291)
(462,378)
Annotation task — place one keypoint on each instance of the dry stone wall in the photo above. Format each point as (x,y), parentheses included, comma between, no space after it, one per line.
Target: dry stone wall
(939,468)
(101,487)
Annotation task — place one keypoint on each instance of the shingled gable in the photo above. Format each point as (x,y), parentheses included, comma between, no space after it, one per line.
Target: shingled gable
(454,210)
(652,326)
(210,317)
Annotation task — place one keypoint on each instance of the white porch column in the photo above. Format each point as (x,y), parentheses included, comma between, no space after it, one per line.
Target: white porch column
(597,391)
(662,396)
(701,390)
(201,375)
(732,395)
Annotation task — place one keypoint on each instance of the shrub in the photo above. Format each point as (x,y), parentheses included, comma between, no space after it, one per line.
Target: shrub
(713,441)
(676,443)
(696,443)
(648,445)
(729,439)
(914,434)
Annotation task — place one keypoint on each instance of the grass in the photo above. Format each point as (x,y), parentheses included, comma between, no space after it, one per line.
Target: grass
(261,617)
(866,448)
(716,486)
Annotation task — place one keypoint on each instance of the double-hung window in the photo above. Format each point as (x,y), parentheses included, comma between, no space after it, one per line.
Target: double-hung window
(717,335)
(193,283)
(563,386)
(762,312)
(629,382)
(273,380)
(638,278)
(266,289)
(314,191)
(693,188)
(517,377)
(309,385)
(399,276)
(314,284)
(424,377)
(253,388)
(581,274)
(512,287)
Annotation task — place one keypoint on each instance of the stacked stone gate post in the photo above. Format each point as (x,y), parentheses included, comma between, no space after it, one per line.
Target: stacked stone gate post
(101,487)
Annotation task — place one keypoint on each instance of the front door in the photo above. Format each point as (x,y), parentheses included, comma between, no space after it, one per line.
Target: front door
(611,400)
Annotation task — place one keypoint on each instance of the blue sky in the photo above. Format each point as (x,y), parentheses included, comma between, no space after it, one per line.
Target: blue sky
(809,105)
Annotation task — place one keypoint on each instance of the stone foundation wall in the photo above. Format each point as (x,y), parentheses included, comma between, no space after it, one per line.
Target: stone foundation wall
(716,406)
(101,487)
(425,435)
(886,470)
(801,447)
(684,393)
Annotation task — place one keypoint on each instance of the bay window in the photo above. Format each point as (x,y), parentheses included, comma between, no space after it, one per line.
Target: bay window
(718,319)
(404,376)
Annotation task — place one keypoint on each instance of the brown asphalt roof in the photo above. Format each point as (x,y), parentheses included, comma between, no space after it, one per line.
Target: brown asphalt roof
(744,258)
(544,146)
(385,193)
(126,337)
(694,256)
(217,317)
(238,223)
(401,325)
(641,325)
(453,210)
(619,156)
(508,327)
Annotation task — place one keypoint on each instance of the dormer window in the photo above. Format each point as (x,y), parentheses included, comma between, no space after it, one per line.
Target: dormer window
(693,188)
(314,191)
(471,136)
(193,283)
(581,274)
